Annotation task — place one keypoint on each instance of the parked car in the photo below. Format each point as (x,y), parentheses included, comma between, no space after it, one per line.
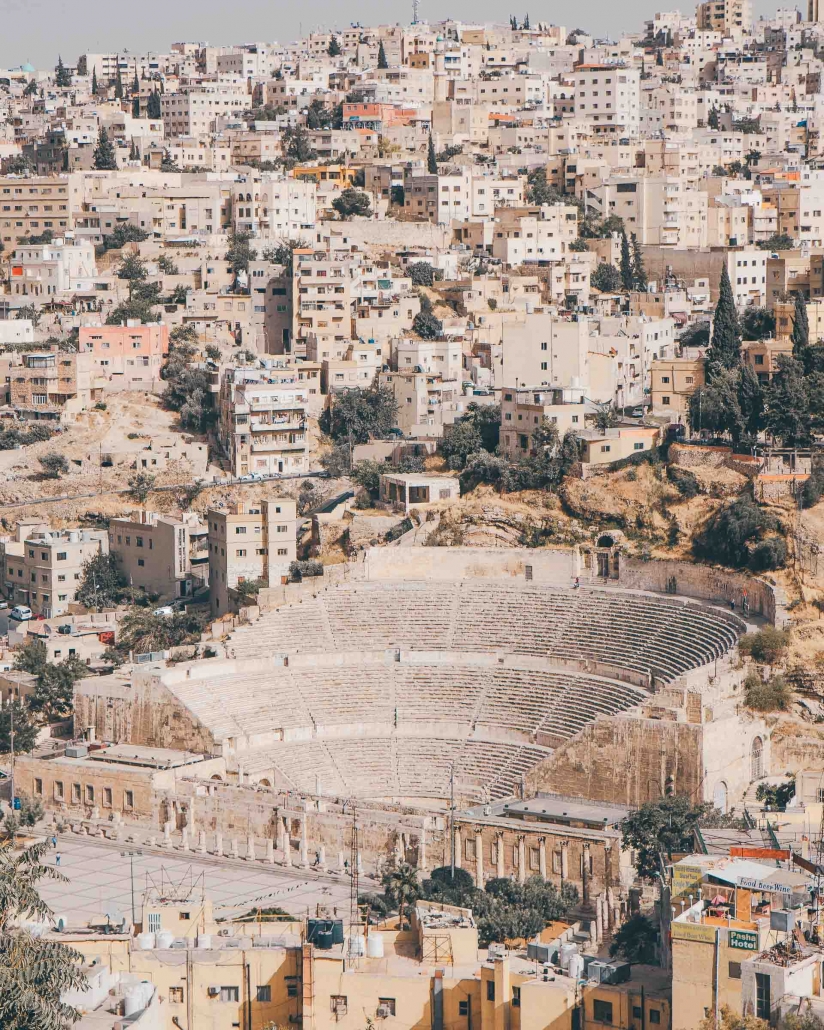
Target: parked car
(637,413)
(251,477)
(3,605)
(21,612)
(164,609)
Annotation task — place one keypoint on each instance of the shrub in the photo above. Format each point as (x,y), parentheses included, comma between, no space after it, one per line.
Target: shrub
(684,481)
(769,554)
(732,534)
(54,465)
(772,695)
(766,646)
(776,795)
(300,569)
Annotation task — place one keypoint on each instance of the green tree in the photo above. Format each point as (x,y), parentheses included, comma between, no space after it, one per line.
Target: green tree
(725,345)
(538,189)
(297,146)
(62,78)
(431,159)
(715,407)
(118,82)
(635,941)
(54,465)
(801,328)
(770,695)
(53,694)
(351,203)
(94,82)
(605,416)
(103,584)
(732,534)
(750,401)
(240,252)
(382,62)
(779,241)
(32,657)
(334,49)
(639,273)
(167,265)
(141,485)
(34,972)
(367,475)
(104,156)
(606,278)
(141,631)
(153,106)
(462,440)
(627,278)
(421,273)
(25,728)
(757,323)
(31,89)
(427,325)
(776,795)
(132,268)
(665,826)
(787,403)
(712,118)
(766,646)
(356,415)
(401,887)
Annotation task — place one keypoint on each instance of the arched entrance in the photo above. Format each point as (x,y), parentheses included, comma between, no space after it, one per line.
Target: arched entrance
(757,759)
(719,797)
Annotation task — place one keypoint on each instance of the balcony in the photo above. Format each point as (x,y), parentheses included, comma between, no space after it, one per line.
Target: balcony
(277,446)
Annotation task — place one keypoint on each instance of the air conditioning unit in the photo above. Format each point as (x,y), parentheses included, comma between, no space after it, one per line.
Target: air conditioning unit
(213,991)
(383,1012)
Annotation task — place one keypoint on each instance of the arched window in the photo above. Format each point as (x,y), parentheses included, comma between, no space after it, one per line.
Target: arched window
(757,759)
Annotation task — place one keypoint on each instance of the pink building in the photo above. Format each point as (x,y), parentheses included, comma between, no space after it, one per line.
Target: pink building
(125,357)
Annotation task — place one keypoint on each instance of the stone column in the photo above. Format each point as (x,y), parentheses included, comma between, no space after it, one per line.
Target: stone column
(585,887)
(458,847)
(521,858)
(479,858)
(279,831)
(422,850)
(322,857)
(599,919)
(219,843)
(564,860)
(270,851)
(201,842)
(499,865)
(250,849)
(234,848)
(542,857)
(341,866)
(304,843)
(184,839)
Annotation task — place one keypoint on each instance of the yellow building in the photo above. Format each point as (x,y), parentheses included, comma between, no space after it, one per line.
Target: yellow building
(341,175)
(674,381)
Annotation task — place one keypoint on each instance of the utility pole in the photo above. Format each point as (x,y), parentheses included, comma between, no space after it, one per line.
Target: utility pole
(130,855)
(11,744)
(452,824)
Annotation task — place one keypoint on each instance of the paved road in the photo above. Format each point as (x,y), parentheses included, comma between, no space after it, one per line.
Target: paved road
(100,881)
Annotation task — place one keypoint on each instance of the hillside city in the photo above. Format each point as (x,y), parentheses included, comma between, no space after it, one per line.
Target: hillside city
(411,502)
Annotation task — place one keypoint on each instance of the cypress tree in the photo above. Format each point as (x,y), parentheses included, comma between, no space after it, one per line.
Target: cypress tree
(750,400)
(118,83)
(136,83)
(626,263)
(431,159)
(801,328)
(725,345)
(334,47)
(94,82)
(104,157)
(62,79)
(526,22)
(382,62)
(153,105)
(639,273)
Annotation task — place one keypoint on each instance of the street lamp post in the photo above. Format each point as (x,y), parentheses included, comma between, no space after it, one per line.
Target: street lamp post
(130,855)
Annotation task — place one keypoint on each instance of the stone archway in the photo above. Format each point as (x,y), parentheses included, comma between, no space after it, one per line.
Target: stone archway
(719,796)
(757,759)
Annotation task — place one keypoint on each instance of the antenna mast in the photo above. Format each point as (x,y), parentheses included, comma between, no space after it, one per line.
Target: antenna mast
(354,886)
(415,4)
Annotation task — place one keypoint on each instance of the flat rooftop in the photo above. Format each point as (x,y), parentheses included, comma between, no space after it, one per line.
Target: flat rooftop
(557,809)
(148,757)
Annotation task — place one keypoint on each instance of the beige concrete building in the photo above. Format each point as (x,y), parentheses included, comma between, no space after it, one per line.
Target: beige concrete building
(673,382)
(250,543)
(523,409)
(126,357)
(155,552)
(43,568)
(729,17)
(416,490)
(30,206)
(49,383)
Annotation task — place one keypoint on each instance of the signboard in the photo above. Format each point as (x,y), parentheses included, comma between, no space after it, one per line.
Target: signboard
(746,940)
(751,884)
(692,932)
(686,879)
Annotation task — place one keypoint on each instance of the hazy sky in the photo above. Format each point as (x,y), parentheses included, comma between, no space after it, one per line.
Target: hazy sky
(37,30)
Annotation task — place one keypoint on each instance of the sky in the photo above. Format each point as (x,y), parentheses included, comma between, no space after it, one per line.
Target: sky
(38,30)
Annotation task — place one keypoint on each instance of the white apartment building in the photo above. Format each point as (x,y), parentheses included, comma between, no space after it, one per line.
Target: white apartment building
(748,275)
(608,97)
(262,421)
(441,356)
(274,208)
(196,111)
(45,269)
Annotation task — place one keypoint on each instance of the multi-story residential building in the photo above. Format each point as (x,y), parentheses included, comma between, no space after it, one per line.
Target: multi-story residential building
(262,420)
(275,208)
(443,356)
(66,265)
(250,543)
(426,401)
(608,98)
(523,409)
(43,568)
(747,269)
(46,383)
(198,109)
(28,207)
(159,553)
(125,357)
(729,17)
(673,382)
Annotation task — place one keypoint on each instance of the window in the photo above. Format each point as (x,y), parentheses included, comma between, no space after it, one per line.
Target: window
(557,862)
(534,858)
(655,1015)
(264,993)
(282,551)
(230,994)
(240,529)
(516,997)
(463,1008)
(89,794)
(128,799)
(75,793)
(388,1003)
(665,379)
(176,995)
(38,787)
(58,790)
(665,400)
(107,797)
(734,971)
(638,447)
(602,1011)
(154,922)
(62,555)
(490,990)
(338,1004)
(292,990)
(141,561)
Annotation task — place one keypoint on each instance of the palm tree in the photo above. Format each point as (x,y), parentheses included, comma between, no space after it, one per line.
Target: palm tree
(401,887)
(34,972)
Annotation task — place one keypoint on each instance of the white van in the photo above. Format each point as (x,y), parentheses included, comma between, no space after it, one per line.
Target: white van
(21,612)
